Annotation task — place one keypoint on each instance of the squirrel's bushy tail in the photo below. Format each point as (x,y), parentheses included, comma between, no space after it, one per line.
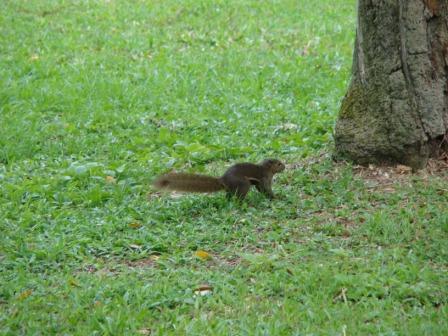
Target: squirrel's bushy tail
(188,182)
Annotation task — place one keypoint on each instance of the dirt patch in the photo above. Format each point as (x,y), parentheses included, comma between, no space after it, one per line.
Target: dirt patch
(142,263)
(385,177)
(232,262)
(113,266)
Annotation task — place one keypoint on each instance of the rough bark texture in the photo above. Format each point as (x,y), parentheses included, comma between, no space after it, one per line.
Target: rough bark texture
(396,108)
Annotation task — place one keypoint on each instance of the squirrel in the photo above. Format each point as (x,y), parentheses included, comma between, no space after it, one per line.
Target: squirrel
(235,181)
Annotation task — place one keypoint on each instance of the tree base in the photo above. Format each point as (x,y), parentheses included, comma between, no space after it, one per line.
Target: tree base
(396,108)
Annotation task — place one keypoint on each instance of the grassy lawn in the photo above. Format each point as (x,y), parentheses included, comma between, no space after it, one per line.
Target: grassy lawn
(99,97)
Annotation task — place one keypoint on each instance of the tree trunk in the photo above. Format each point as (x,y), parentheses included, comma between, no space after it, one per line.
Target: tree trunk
(396,108)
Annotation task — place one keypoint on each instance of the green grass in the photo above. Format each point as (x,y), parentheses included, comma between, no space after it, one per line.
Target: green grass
(131,89)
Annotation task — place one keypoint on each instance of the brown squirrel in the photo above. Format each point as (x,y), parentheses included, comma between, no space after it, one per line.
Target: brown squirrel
(236,180)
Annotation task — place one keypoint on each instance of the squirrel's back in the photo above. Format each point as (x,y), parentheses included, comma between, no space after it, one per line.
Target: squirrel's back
(188,182)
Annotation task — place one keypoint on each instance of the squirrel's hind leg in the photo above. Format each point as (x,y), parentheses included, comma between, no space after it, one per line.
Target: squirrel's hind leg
(238,189)
(265,187)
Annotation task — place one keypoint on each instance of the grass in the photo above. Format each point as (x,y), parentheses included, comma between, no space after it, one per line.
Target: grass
(99,97)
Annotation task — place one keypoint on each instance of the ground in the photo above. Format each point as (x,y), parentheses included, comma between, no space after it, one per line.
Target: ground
(99,97)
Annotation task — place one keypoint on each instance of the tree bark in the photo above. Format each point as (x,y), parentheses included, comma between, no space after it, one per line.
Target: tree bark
(396,107)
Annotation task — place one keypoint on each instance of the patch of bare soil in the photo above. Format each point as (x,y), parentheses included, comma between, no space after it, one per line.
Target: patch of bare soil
(385,177)
(381,176)
(142,263)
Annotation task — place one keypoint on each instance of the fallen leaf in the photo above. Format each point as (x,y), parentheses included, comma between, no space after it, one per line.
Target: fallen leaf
(135,225)
(203,255)
(25,294)
(402,169)
(204,289)
(110,179)
(147,262)
(342,296)
(74,283)
(442,192)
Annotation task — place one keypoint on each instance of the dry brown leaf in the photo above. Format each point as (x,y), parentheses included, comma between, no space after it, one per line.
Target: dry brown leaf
(342,296)
(402,169)
(110,179)
(144,331)
(204,289)
(346,234)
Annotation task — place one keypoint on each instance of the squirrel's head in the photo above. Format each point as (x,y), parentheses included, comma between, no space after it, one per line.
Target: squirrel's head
(276,166)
